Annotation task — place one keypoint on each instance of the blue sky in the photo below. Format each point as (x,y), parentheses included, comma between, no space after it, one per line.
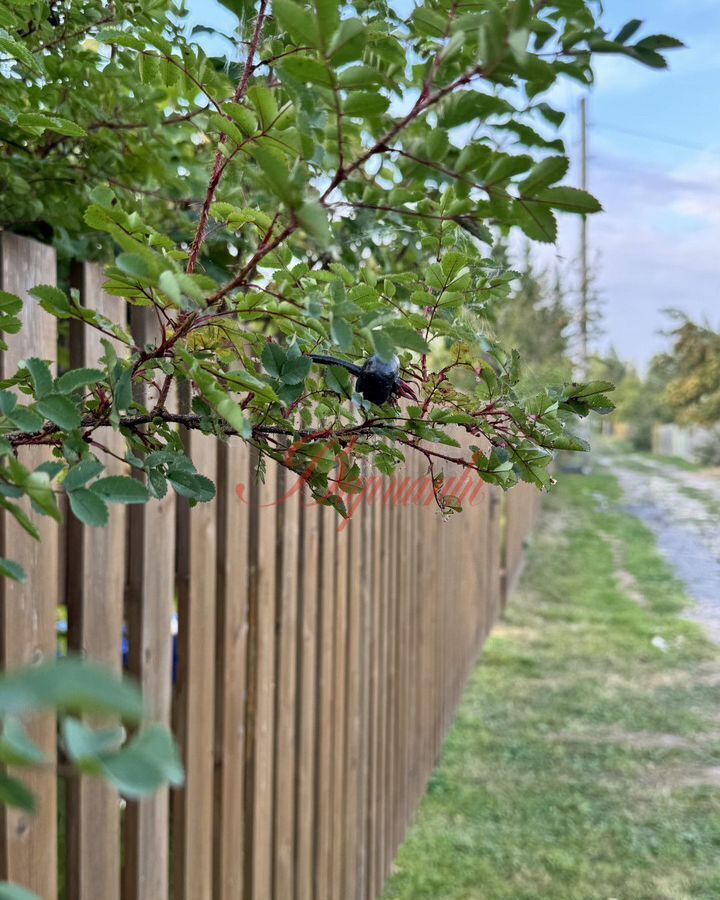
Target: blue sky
(655,166)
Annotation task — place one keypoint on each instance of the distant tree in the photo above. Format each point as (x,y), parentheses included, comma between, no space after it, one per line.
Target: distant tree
(641,402)
(693,366)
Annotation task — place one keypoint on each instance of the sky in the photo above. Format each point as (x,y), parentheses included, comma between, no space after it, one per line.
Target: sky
(655,166)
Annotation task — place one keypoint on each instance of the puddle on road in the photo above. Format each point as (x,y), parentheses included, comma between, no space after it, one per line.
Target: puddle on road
(687,536)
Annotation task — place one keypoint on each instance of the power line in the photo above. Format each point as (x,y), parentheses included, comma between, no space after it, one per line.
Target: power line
(658,139)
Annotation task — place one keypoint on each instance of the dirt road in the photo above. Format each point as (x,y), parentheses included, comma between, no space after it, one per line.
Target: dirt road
(683,510)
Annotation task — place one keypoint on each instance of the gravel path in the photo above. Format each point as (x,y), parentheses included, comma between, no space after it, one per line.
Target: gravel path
(683,510)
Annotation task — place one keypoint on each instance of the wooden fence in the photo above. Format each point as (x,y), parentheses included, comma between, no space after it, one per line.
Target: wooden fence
(314,672)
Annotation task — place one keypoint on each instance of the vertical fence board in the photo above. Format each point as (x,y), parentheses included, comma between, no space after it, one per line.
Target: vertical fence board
(307,693)
(233,561)
(194,707)
(288,545)
(324,735)
(28,851)
(95,598)
(149,606)
(261,696)
(354,710)
(339,712)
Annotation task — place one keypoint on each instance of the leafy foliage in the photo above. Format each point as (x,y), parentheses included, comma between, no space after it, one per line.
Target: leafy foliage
(336,190)
(75,688)
(693,367)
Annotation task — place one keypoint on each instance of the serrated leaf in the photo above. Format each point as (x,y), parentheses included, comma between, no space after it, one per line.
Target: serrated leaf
(121,489)
(26,419)
(569,199)
(89,507)
(78,378)
(545,173)
(60,410)
(40,374)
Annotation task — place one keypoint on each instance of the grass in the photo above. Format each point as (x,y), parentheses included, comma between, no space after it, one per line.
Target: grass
(584,759)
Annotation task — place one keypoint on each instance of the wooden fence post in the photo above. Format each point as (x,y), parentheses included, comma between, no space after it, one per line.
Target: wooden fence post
(95,596)
(28,843)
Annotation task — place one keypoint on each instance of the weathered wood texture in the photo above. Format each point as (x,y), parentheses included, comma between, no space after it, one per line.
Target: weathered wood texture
(310,665)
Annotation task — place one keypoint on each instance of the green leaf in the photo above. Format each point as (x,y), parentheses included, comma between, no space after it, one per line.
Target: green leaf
(276,173)
(14,793)
(82,472)
(305,69)
(10,569)
(78,378)
(84,743)
(16,748)
(18,51)
(15,892)
(192,485)
(341,333)
(359,77)
(273,358)
(312,216)
(570,199)
(42,122)
(407,338)
(69,684)
(89,508)
(10,304)
(297,22)
(149,761)
(231,411)
(121,489)
(242,117)
(40,374)
(53,300)
(26,419)
(628,30)
(135,265)
(545,173)
(365,103)
(265,104)
(60,410)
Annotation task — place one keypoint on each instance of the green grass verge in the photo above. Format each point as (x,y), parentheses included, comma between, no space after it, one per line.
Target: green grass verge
(584,760)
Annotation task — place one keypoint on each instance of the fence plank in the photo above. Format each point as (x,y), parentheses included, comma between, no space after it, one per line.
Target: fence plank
(354,710)
(194,709)
(149,609)
(307,693)
(287,594)
(28,611)
(261,691)
(233,582)
(324,736)
(95,597)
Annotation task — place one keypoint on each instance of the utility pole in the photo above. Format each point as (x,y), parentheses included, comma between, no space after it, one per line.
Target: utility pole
(584,272)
